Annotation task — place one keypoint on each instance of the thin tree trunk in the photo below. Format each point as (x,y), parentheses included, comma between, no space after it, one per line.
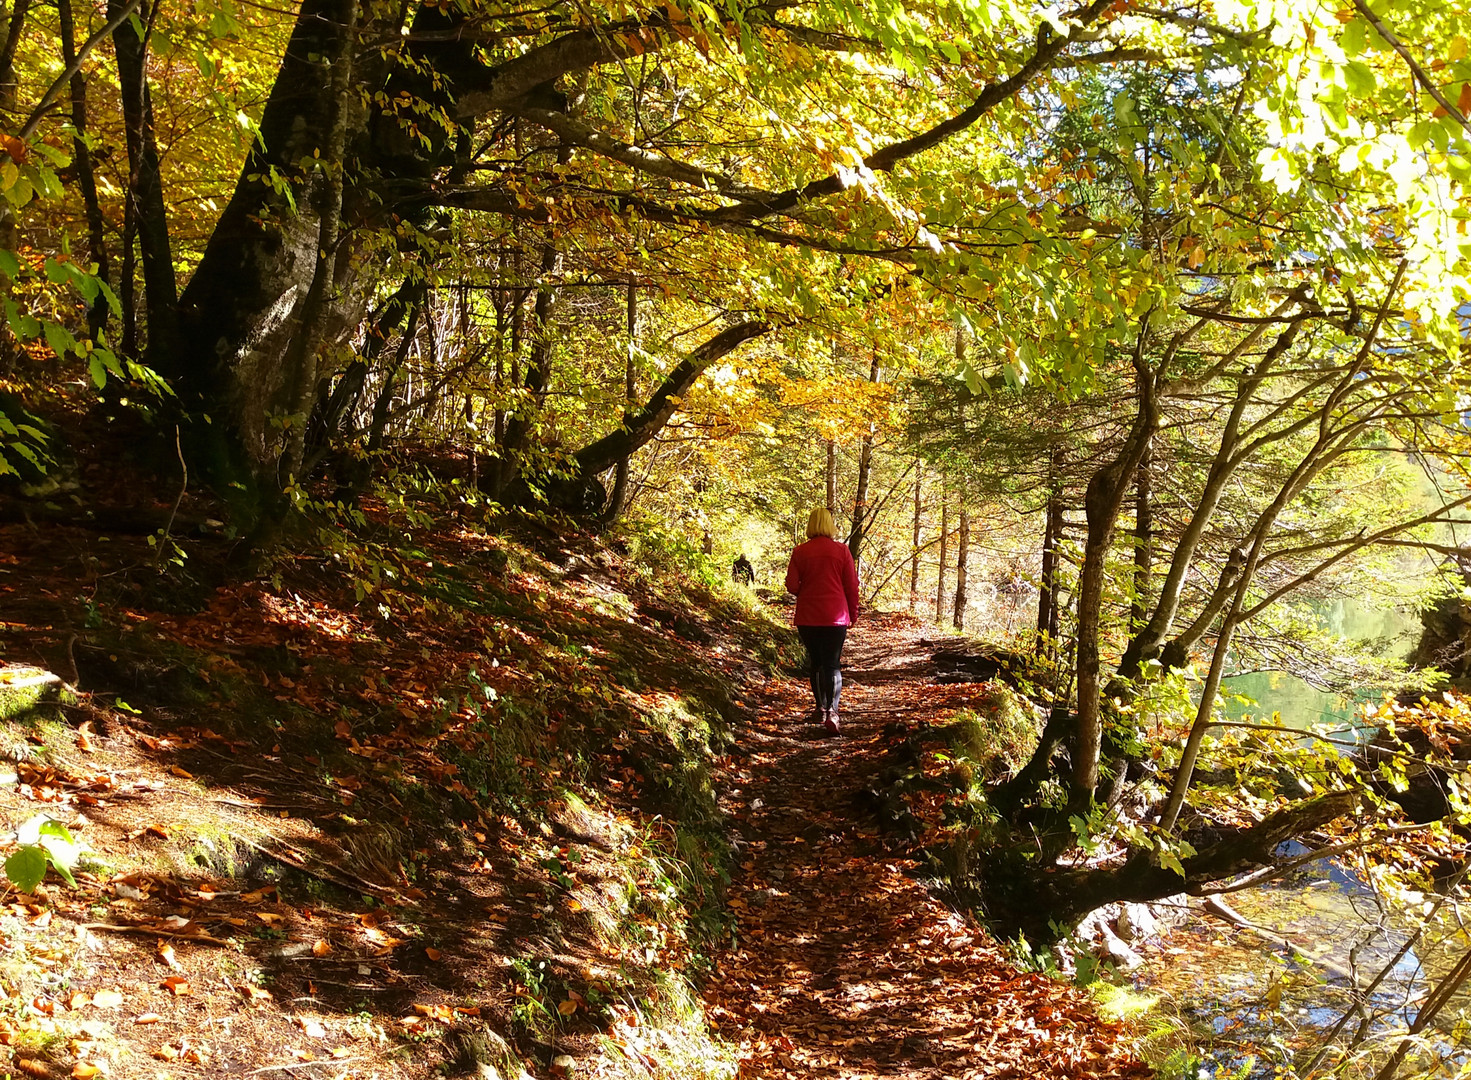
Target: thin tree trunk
(145,188)
(9,347)
(1051,538)
(914,558)
(831,473)
(13,33)
(861,515)
(962,558)
(1143,541)
(944,553)
(82,162)
(619,494)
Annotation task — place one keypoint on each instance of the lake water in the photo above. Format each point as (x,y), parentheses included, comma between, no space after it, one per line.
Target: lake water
(1259,1008)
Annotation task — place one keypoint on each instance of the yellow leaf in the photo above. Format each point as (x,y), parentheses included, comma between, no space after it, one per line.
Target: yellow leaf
(567,1008)
(84,1070)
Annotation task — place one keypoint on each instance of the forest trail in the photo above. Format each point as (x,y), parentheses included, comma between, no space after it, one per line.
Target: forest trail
(848,966)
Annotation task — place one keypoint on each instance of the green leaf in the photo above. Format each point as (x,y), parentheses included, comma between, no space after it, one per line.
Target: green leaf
(27,867)
(1355,37)
(59,339)
(1358,79)
(9,264)
(98,372)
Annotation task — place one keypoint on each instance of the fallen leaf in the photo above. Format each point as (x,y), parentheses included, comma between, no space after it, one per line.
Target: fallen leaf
(433,954)
(182,774)
(178,984)
(84,1070)
(107,999)
(256,993)
(167,1051)
(270,918)
(147,1018)
(77,1000)
(313,1028)
(321,948)
(567,1008)
(166,954)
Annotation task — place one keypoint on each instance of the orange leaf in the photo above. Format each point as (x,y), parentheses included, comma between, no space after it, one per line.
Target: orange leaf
(84,1070)
(178,984)
(567,1008)
(433,954)
(1464,101)
(166,954)
(321,948)
(181,773)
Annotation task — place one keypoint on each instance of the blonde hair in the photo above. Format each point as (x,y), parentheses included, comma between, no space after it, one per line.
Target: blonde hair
(820,523)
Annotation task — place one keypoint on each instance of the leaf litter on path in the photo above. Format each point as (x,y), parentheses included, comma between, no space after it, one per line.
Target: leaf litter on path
(847,966)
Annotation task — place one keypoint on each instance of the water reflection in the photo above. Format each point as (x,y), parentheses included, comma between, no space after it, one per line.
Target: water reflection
(1264,1002)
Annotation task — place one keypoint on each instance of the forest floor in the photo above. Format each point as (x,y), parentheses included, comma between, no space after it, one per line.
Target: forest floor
(849,965)
(440,794)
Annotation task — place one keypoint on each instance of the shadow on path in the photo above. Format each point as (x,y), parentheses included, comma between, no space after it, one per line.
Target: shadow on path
(848,966)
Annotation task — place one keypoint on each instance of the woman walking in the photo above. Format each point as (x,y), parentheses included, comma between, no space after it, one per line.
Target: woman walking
(822,577)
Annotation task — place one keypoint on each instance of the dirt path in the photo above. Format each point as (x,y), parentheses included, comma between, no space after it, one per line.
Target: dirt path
(848,966)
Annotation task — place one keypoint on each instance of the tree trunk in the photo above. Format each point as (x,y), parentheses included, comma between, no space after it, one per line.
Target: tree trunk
(8,48)
(619,494)
(944,553)
(914,558)
(962,559)
(145,188)
(831,473)
(648,420)
(861,515)
(1037,902)
(1047,621)
(306,341)
(82,163)
(1103,502)
(1143,542)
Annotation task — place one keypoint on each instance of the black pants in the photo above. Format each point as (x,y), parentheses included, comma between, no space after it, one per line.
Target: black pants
(825,662)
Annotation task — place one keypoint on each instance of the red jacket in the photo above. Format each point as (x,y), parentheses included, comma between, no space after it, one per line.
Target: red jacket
(822,576)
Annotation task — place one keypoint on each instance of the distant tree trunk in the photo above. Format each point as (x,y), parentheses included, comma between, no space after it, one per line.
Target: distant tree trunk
(1051,537)
(962,557)
(9,347)
(82,163)
(832,476)
(13,32)
(944,553)
(1143,543)
(145,188)
(914,558)
(538,371)
(865,467)
(630,387)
